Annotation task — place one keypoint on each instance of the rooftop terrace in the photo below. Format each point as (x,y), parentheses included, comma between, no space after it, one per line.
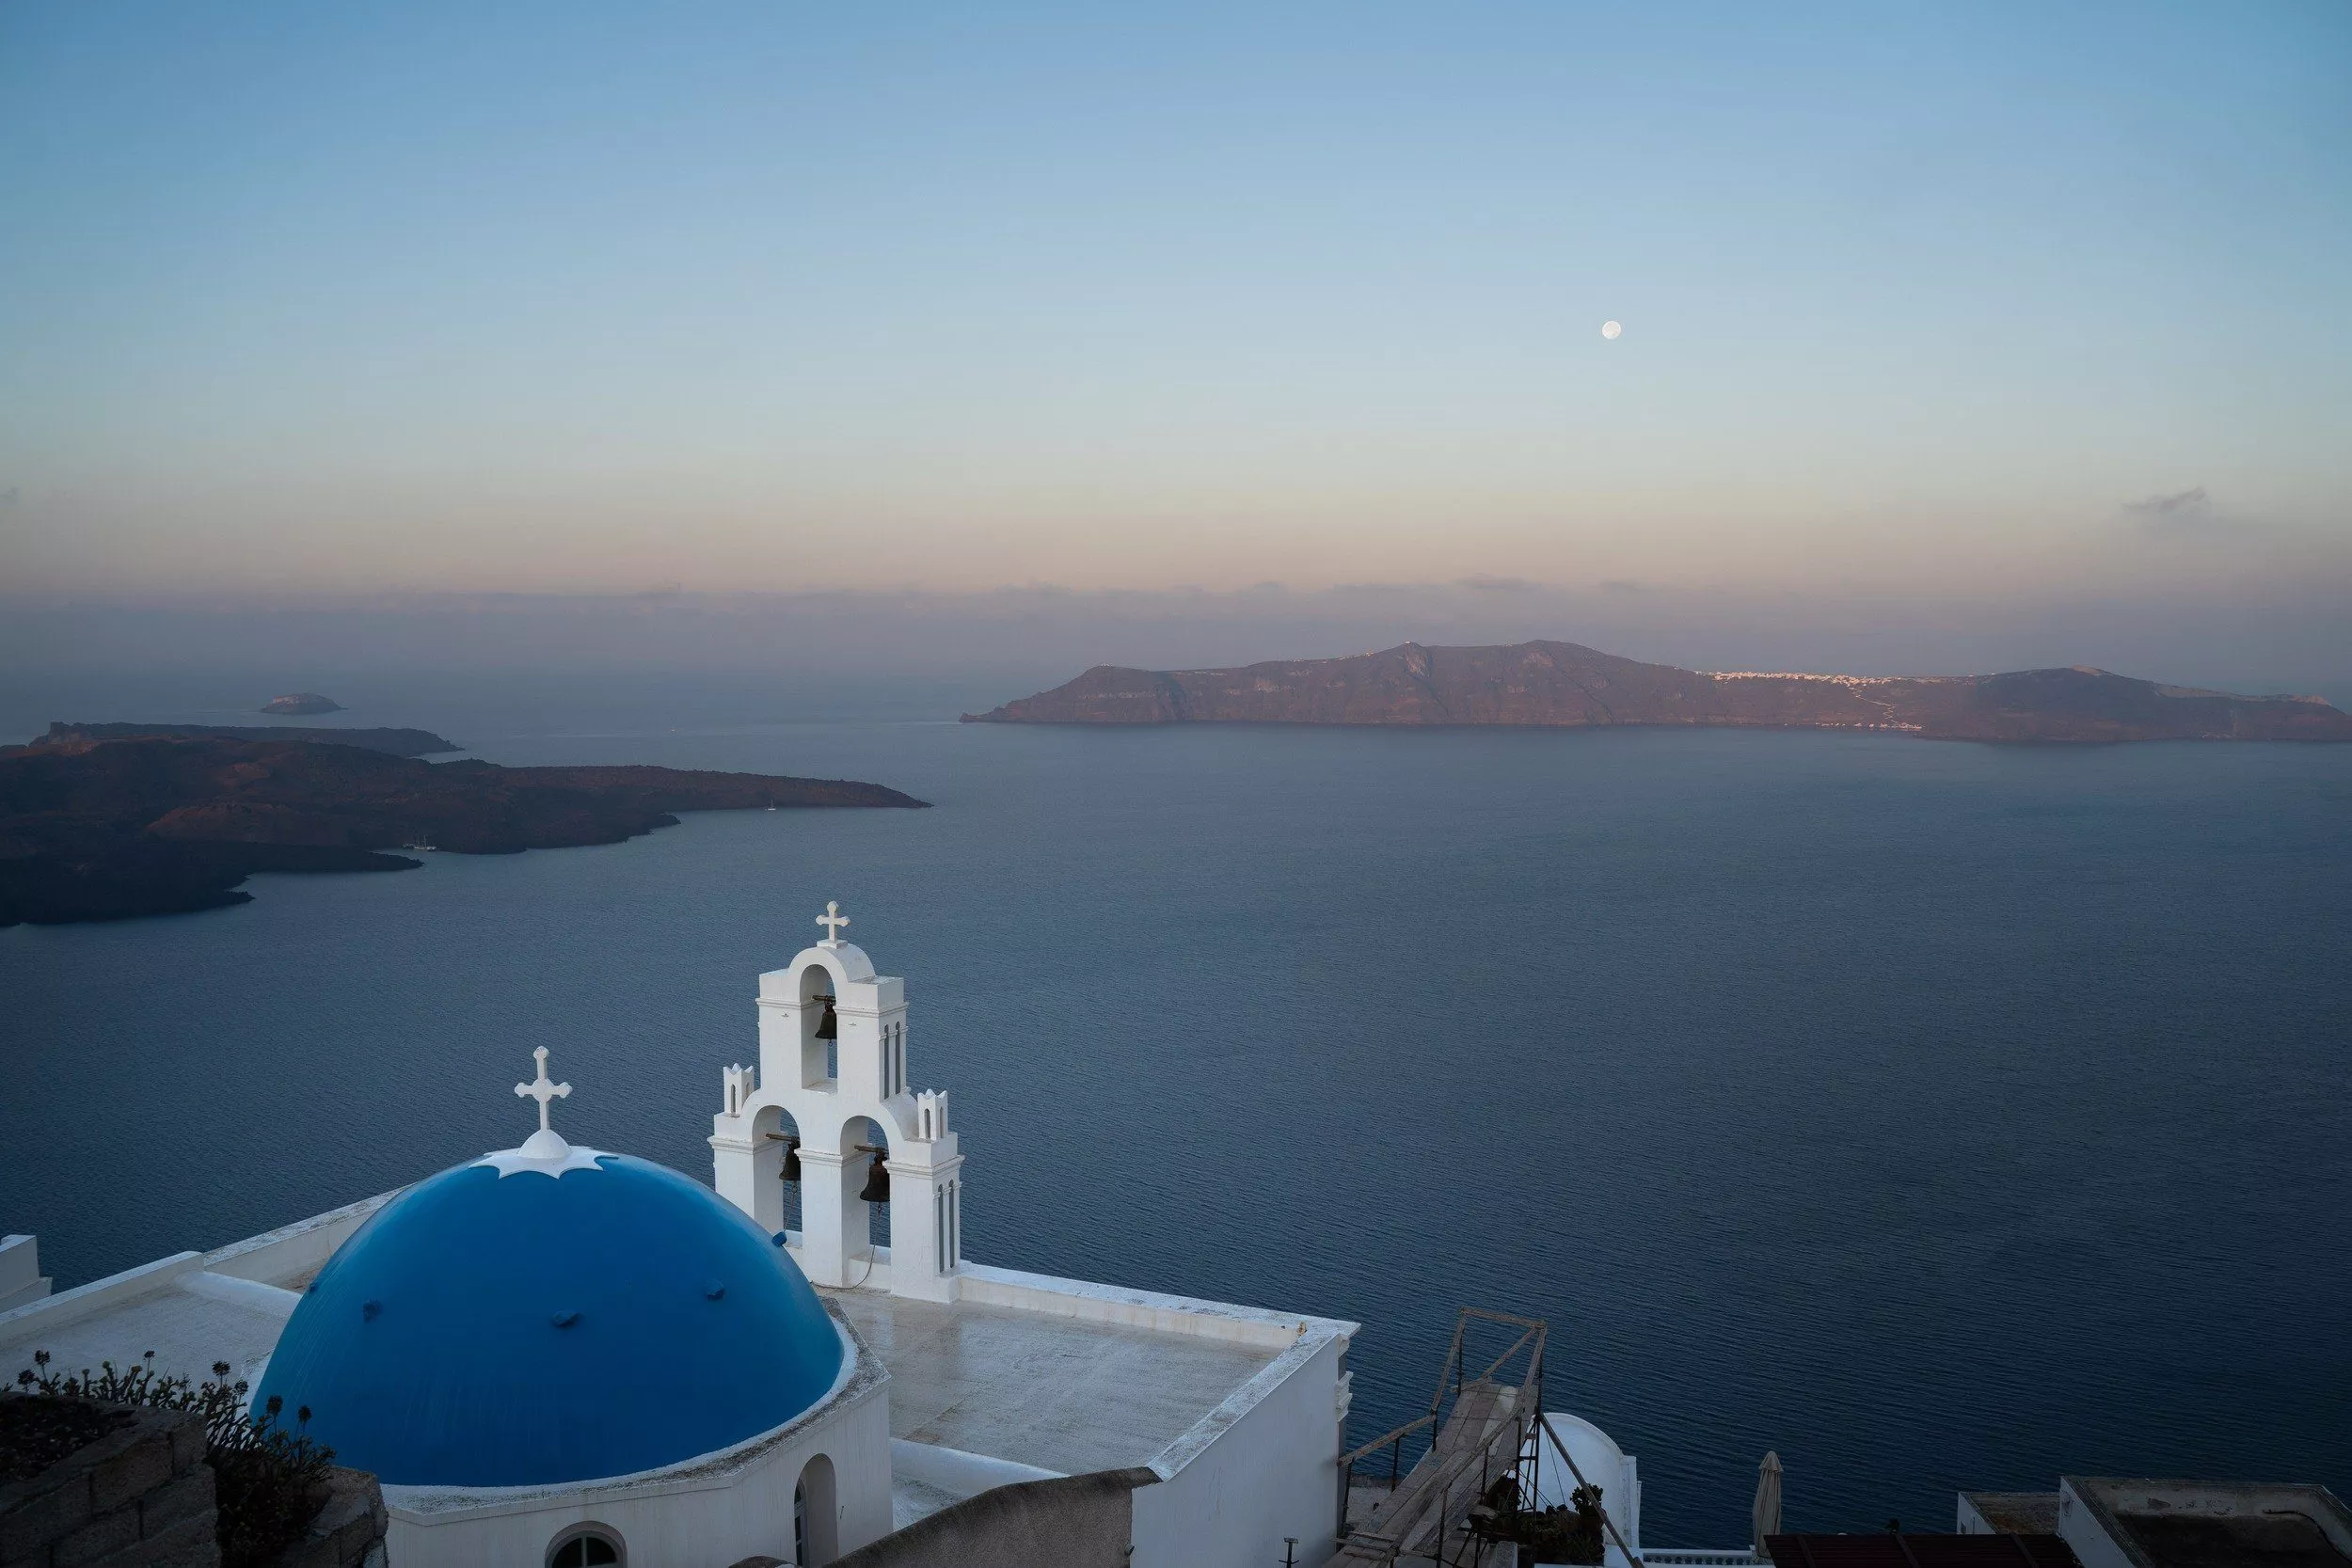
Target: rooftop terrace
(1041,1389)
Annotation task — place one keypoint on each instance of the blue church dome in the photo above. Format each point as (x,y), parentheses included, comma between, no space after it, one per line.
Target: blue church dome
(526,1321)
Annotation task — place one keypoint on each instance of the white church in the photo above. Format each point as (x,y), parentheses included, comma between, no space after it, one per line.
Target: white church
(556,1356)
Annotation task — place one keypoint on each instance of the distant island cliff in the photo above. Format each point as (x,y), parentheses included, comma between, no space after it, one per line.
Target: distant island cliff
(98,828)
(1563,683)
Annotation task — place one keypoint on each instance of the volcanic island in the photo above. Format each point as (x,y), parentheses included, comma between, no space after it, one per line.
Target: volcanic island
(1566,685)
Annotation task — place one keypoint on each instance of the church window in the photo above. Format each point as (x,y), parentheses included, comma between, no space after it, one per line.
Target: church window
(586,1547)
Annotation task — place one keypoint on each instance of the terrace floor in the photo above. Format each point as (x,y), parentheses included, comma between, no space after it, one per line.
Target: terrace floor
(1058,1393)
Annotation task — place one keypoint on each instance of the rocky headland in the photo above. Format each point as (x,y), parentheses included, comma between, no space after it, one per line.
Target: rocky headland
(1564,684)
(108,828)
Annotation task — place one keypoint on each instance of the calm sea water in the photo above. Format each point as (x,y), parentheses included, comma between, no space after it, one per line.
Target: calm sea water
(1938,1115)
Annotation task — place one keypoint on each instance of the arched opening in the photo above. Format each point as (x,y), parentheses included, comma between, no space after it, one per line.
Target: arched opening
(820,1029)
(775,1170)
(815,1515)
(587,1546)
(866,1181)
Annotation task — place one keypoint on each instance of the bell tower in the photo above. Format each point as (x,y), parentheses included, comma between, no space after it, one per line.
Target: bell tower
(832,1058)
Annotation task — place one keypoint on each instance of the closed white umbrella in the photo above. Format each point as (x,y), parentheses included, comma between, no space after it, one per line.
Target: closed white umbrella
(1766,1514)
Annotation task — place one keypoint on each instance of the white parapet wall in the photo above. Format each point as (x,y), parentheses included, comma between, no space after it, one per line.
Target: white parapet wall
(191,1309)
(294,1252)
(1260,1469)
(99,1295)
(22,1282)
(1162,1314)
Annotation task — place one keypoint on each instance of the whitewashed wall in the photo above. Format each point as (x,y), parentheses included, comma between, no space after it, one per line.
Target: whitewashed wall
(1234,1487)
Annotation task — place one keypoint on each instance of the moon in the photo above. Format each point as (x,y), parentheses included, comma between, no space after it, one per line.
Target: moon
(1611,329)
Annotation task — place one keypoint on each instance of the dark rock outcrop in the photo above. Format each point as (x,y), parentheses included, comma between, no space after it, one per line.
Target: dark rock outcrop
(1562,684)
(159,825)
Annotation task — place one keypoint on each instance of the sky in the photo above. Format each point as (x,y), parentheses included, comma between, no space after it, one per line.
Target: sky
(1968,300)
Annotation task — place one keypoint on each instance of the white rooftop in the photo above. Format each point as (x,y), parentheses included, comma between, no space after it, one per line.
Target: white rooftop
(192,1310)
(1057,1393)
(1027,1376)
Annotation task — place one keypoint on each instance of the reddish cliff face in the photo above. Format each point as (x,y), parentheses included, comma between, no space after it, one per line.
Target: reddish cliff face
(1560,683)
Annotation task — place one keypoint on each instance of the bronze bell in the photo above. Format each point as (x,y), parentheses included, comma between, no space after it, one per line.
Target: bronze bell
(791,1171)
(877,1181)
(828,1026)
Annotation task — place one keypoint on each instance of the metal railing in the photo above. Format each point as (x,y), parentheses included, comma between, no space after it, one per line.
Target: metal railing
(1451,1377)
(1519,1433)
(1393,1441)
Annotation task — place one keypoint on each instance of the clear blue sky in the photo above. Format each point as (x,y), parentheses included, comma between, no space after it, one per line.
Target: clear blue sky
(583,296)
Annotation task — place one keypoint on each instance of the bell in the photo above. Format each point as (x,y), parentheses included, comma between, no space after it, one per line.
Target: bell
(828,1026)
(876,1182)
(791,1171)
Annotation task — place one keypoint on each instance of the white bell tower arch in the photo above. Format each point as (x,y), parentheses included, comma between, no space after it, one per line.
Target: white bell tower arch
(830,1089)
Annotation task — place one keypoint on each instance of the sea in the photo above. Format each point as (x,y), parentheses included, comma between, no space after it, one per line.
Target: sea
(1937,1116)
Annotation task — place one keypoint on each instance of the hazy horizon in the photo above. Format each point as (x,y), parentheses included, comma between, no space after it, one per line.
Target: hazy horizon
(1937,304)
(440,660)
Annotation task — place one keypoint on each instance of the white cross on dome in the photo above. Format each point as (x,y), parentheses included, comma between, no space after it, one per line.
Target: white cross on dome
(542,1089)
(832,920)
(545,1151)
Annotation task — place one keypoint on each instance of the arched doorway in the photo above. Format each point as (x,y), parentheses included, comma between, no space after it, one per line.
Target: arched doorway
(815,1515)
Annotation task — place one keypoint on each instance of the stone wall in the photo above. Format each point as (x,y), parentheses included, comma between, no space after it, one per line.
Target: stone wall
(138,1497)
(142,1498)
(348,1532)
